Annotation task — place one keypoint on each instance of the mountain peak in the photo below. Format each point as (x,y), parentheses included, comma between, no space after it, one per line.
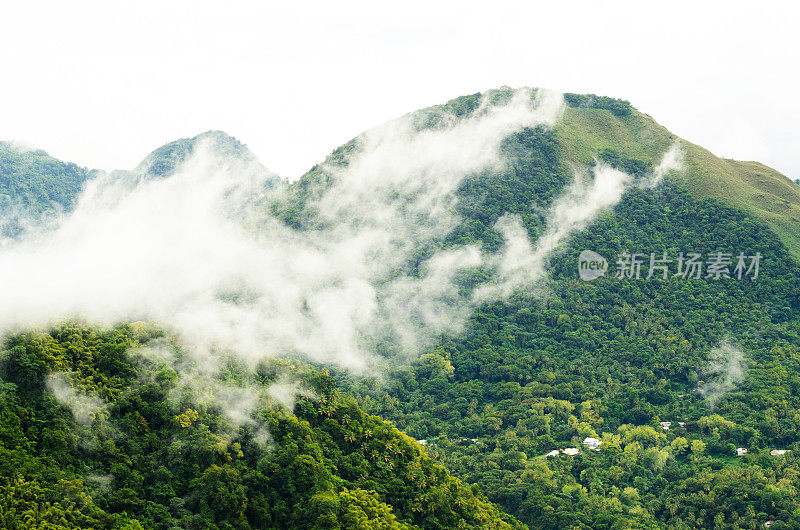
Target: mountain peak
(163,161)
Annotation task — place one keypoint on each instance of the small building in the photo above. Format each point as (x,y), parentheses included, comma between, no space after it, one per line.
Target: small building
(422,442)
(778,452)
(554,452)
(769,523)
(682,424)
(666,425)
(741,451)
(571,451)
(592,443)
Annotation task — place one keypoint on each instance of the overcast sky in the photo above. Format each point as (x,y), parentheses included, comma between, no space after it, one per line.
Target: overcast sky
(103,83)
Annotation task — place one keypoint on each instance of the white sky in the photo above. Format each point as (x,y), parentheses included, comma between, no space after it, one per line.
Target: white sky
(103,83)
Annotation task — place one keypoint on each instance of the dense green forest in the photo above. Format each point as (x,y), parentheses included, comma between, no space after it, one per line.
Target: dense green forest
(142,451)
(612,359)
(34,185)
(689,388)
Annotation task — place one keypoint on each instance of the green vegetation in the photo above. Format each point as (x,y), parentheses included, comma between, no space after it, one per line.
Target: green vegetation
(625,361)
(34,185)
(751,186)
(35,188)
(618,107)
(585,132)
(151,455)
(612,359)
(166,159)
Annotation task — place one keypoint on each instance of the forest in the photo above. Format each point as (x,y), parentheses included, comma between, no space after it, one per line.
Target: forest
(612,360)
(146,452)
(661,402)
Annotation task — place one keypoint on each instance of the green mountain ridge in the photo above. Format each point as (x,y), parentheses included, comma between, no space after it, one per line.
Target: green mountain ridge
(165,160)
(766,194)
(613,358)
(589,126)
(716,358)
(35,187)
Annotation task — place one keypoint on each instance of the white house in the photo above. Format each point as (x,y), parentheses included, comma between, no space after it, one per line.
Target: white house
(571,451)
(741,451)
(666,425)
(778,452)
(592,443)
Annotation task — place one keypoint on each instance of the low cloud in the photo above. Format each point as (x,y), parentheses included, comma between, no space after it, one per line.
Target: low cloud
(671,160)
(99,482)
(521,264)
(200,253)
(726,368)
(85,407)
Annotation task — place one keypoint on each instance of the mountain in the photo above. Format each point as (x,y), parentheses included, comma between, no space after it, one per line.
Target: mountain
(36,188)
(90,436)
(33,185)
(614,358)
(121,455)
(622,400)
(165,160)
(587,129)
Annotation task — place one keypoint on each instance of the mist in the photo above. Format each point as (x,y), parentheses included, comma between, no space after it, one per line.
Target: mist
(84,407)
(671,160)
(200,254)
(521,264)
(726,368)
(176,251)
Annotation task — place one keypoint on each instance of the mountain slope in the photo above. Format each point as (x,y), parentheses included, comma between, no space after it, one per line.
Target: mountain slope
(541,363)
(34,185)
(35,188)
(165,160)
(760,190)
(96,435)
(614,358)
(585,131)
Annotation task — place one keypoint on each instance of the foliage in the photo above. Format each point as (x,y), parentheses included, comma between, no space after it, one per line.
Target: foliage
(159,458)
(617,106)
(614,358)
(611,359)
(34,185)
